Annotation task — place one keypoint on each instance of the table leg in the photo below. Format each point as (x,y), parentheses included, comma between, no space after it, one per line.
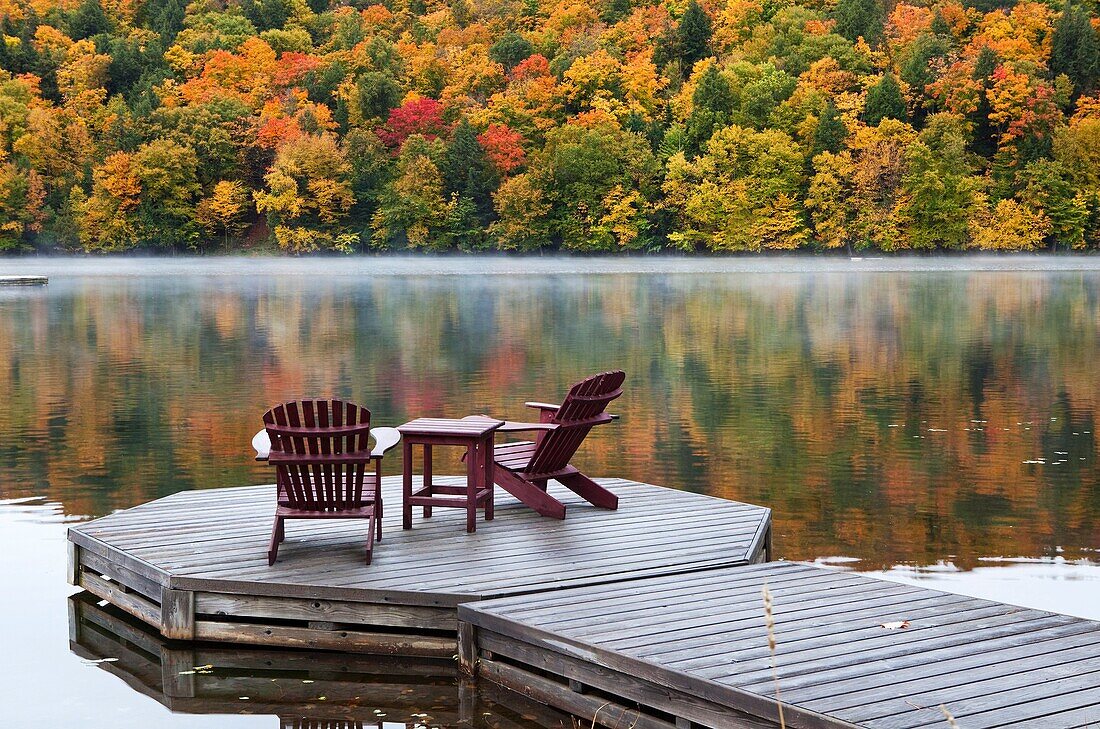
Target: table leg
(406,484)
(428,476)
(487,475)
(473,480)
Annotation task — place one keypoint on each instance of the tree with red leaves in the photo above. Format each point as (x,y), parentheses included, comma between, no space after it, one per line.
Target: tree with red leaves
(422,116)
(504,148)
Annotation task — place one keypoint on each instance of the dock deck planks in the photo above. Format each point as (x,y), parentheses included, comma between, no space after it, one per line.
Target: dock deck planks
(194,564)
(695,646)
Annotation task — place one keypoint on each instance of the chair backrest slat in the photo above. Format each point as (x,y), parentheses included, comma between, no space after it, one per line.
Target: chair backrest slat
(582,409)
(320,450)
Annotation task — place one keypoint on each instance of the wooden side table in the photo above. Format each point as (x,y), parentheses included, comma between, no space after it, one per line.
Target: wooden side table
(476,434)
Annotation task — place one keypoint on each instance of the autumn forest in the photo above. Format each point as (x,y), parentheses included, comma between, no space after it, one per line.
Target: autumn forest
(523,125)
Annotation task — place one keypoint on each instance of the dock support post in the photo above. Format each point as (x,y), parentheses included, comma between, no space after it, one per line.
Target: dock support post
(467,648)
(177,614)
(72,573)
(768,544)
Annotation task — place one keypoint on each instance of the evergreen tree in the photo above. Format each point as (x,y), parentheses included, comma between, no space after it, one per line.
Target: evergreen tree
(830,133)
(884,101)
(985,141)
(939,27)
(467,172)
(378,93)
(165,17)
(694,34)
(510,49)
(88,20)
(712,104)
(859,18)
(1074,48)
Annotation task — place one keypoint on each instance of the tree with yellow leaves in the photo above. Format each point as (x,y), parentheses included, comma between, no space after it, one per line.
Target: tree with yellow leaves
(224,209)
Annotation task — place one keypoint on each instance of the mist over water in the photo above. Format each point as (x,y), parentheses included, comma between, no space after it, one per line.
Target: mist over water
(933,419)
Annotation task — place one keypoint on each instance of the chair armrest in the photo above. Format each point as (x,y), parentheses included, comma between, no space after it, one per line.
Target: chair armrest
(513,427)
(261,443)
(384,440)
(542,405)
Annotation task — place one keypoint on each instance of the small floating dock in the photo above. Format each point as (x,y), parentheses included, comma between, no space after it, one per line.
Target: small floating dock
(23,280)
(193,565)
(851,651)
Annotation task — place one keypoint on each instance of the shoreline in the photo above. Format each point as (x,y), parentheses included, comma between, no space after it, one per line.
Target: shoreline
(404,265)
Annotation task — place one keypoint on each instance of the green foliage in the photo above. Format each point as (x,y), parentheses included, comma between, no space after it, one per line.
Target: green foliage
(859,19)
(884,101)
(830,132)
(510,49)
(712,107)
(694,34)
(1075,49)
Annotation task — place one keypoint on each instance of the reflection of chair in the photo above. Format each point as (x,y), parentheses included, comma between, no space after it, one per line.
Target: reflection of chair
(523,468)
(321,453)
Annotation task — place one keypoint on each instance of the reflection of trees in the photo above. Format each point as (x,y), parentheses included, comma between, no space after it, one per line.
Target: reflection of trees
(776,389)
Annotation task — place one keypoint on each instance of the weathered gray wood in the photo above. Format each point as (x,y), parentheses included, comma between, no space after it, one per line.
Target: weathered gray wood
(132,603)
(467,649)
(132,580)
(703,635)
(177,614)
(375,614)
(340,640)
(592,710)
(72,567)
(215,542)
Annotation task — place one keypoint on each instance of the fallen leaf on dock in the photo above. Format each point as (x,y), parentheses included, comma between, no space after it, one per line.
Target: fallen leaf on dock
(899,625)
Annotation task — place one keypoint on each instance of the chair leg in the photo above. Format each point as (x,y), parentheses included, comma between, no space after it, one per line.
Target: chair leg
(370,537)
(589,490)
(277,535)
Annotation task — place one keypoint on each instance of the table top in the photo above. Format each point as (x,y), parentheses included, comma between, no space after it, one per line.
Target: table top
(473,427)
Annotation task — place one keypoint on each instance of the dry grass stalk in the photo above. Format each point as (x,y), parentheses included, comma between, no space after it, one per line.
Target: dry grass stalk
(769,623)
(950,719)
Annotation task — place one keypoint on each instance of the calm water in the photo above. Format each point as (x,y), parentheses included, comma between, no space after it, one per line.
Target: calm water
(923,419)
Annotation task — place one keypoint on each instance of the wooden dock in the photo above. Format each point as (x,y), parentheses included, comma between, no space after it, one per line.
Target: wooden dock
(303,688)
(23,280)
(851,651)
(193,565)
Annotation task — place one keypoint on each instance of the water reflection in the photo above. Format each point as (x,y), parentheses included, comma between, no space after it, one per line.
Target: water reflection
(304,689)
(894,417)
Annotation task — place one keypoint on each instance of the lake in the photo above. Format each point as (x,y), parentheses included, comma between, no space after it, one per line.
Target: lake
(930,420)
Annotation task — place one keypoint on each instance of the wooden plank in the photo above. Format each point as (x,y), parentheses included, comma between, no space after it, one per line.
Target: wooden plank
(339,640)
(341,611)
(104,566)
(626,687)
(594,710)
(177,614)
(134,604)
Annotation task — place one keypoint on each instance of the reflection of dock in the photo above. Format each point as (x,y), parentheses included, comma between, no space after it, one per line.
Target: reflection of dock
(357,690)
(23,280)
(194,564)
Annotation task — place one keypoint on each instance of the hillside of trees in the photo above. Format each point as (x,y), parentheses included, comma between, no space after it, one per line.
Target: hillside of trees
(579,125)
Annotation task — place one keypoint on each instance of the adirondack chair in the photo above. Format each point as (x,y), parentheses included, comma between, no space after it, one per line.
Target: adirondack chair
(522,468)
(321,456)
